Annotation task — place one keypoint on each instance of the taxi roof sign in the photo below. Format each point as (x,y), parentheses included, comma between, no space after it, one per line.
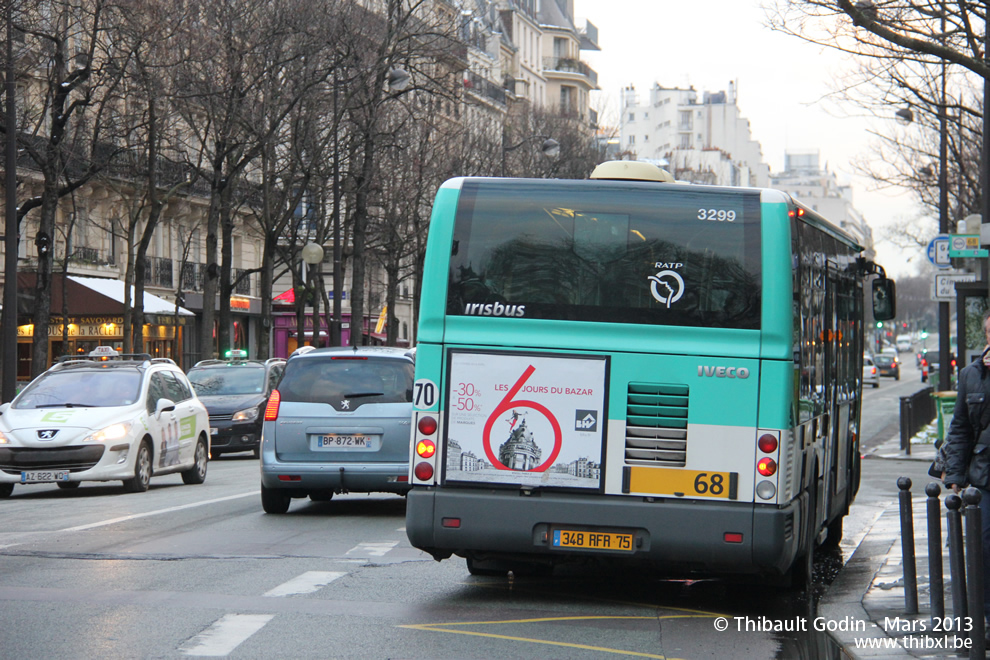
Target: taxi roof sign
(236,354)
(104,352)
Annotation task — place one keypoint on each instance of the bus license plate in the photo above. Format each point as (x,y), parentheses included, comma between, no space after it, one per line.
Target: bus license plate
(44,476)
(591,540)
(677,482)
(339,441)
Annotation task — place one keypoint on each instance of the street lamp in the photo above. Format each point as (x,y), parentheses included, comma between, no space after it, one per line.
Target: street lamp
(550,147)
(399,81)
(312,255)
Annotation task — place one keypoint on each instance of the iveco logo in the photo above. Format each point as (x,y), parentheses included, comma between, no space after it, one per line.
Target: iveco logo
(47,434)
(723,372)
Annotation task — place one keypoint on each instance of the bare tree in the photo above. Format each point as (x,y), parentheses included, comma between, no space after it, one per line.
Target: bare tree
(63,124)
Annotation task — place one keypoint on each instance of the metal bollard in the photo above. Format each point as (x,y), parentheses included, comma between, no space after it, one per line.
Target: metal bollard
(936,586)
(907,547)
(974,571)
(957,562)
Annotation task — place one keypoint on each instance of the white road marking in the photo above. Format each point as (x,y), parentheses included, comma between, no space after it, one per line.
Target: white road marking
(114,521)
(372,549)
(226,634)
(306,583)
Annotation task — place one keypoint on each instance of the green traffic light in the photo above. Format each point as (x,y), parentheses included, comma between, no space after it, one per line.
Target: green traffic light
(879,324)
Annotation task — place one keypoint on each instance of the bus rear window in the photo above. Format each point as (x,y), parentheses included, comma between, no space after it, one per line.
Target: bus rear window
(611,251)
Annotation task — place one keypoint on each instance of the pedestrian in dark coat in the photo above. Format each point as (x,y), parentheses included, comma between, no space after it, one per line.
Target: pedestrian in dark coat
(967,445)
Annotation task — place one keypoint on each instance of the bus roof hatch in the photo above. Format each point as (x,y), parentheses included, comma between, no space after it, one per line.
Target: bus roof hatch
(631,170)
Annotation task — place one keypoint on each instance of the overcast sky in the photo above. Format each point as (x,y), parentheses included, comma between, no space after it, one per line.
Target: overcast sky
(781,84)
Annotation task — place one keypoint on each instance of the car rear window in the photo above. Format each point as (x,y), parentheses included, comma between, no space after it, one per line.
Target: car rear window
(223,381)
(359,381)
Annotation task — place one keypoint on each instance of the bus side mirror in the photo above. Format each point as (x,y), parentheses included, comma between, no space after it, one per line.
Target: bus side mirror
(884,299)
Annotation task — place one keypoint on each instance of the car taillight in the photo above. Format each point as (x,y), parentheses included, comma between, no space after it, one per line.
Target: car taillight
(766,467)
(767,443)
(424,471)
(426,448)
(271,409)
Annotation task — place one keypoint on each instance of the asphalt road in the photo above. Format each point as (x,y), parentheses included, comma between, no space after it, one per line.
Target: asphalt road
(185,571)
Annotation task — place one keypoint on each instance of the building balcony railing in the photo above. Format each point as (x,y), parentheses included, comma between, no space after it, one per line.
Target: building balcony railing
(89,256)
(483,87)
(243,285)
(192,276)
(158,272)
(570,65)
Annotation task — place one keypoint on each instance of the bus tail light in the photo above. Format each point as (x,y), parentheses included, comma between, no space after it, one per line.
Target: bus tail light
(427,425)
(732,537)
(271,408)
(767,443)
(766,467)
(426,448)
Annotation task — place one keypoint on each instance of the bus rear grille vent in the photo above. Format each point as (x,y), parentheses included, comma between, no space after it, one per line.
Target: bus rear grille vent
(656,424)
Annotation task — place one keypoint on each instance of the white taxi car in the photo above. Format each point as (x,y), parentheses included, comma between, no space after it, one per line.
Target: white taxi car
(102,418)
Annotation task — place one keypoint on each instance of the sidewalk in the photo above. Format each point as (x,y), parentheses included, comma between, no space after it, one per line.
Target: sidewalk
(868,594)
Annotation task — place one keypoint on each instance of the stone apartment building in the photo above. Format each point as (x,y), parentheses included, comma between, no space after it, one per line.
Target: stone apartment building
(517,52)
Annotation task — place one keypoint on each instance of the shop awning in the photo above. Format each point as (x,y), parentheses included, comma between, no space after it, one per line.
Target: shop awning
(287,298)
(94,296)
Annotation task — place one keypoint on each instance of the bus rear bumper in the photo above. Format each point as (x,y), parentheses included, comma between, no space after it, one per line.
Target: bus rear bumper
(679,537)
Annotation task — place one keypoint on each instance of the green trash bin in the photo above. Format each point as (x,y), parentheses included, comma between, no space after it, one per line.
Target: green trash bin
(945,404)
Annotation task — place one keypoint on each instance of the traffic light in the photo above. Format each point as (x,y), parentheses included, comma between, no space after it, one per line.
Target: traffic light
(879,324)
(924,334)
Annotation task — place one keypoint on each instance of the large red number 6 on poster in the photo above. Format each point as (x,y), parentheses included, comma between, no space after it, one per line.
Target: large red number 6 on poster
(507,404)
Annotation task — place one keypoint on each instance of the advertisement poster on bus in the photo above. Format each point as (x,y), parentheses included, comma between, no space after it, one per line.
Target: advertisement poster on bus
(532,420)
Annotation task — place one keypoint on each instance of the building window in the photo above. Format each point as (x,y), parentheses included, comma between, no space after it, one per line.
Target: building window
(632,139)
(632,116)
(646,138)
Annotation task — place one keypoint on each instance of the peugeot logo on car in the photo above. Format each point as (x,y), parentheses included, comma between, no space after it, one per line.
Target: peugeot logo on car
(47,434)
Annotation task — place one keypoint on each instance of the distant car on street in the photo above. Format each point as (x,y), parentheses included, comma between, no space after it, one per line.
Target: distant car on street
(870,374)
(903,343)
(234,392)
(888,365)
(104,417)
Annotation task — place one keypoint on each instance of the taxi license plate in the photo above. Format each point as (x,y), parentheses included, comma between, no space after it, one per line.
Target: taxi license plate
(343,441)
(44,476)
(676,482)
(592,540)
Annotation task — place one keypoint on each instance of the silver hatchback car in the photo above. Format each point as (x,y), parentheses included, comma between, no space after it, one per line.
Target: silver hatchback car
(338,422)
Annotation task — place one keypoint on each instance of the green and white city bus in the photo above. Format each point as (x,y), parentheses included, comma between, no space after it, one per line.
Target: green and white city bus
(636,370)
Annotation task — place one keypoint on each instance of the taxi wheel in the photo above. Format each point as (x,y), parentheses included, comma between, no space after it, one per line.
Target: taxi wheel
(142,470)
(68,485)
(6,490)
(274,501)
(256,452)
(197,473)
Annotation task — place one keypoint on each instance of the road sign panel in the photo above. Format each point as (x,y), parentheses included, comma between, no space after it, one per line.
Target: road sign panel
(945,284)
(938,251)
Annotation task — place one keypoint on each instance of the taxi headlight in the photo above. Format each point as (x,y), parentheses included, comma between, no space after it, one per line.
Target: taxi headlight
(3,439)
(112,432)
(248,415)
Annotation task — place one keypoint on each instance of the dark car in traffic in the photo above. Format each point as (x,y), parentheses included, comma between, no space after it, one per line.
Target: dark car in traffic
(888,365)
(234,392)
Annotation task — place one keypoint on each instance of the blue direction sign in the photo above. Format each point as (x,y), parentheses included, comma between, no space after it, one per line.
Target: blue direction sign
(938,251)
